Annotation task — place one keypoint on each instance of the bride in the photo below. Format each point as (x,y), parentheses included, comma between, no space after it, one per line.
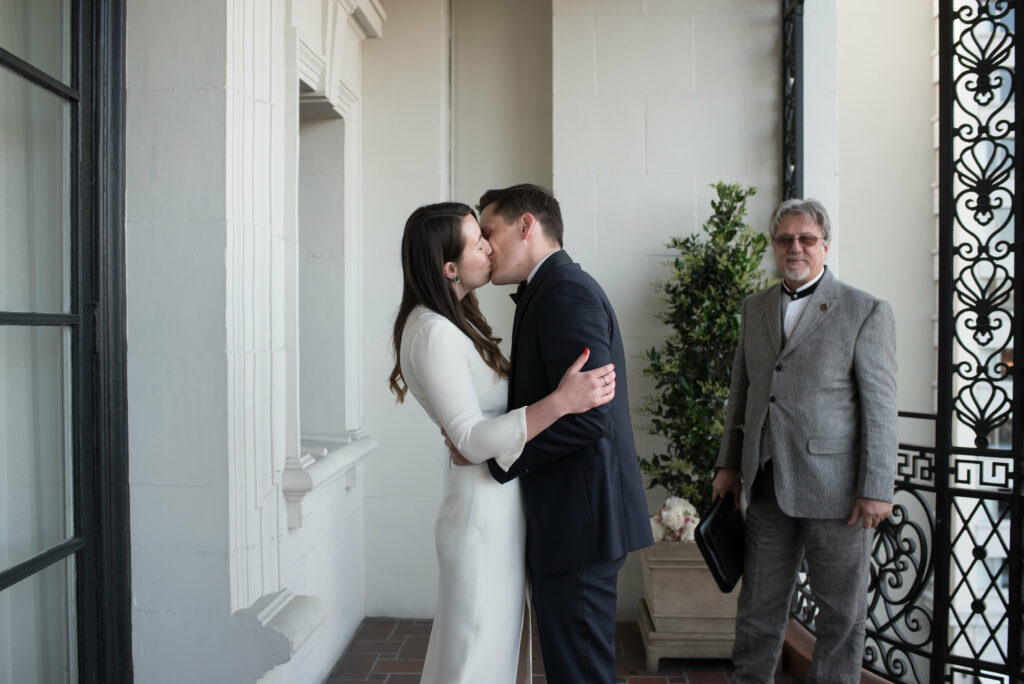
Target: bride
(448,358)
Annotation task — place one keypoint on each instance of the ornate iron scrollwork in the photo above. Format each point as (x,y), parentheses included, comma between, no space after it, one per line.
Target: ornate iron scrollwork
(899,616)
(946,602)
(900,622)
(792,98)
(983,619)
(983,125)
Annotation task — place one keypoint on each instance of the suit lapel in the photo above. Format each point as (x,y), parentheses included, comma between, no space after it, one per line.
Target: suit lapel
(819,307)
(773,318)
(557,259)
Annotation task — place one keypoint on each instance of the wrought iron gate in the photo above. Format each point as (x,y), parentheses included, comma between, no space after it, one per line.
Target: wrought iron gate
(945,598)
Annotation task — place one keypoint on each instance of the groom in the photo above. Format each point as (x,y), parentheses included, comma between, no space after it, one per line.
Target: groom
(581,486)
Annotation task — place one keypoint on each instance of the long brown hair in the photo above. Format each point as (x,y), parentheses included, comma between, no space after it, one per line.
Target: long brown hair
(433,237)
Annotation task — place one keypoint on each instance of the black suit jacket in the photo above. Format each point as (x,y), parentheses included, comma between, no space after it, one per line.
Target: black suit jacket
(580,480)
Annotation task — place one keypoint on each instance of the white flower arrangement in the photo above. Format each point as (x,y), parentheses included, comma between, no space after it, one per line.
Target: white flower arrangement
(676,521)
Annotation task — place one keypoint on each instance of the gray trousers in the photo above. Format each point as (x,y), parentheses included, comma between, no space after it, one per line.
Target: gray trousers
(838,557)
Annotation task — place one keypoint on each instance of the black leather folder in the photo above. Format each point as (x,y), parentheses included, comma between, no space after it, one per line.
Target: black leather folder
(719,537)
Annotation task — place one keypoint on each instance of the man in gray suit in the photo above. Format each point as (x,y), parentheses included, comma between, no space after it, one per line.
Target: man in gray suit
(810,439)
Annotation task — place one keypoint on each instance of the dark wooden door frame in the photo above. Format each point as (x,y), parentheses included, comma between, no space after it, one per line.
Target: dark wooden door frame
(100,541)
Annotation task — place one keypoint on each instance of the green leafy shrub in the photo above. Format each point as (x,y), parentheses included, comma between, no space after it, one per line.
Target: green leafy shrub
(714,272)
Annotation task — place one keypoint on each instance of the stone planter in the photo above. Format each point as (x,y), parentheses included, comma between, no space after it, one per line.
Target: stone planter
(683,613)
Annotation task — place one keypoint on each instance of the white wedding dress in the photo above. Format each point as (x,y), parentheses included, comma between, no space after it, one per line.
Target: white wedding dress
(481,626)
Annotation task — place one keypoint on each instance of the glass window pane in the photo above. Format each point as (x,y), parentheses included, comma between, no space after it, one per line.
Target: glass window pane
(35,198)
(39,32)
(35,501)
(37,627)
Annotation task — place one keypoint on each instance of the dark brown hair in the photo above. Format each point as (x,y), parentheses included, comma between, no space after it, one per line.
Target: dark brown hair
(433,237)
(511,203)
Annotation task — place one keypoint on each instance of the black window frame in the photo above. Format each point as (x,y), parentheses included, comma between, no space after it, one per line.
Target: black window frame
(100,542)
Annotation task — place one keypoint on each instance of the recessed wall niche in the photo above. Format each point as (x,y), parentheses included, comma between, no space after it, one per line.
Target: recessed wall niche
(321,218)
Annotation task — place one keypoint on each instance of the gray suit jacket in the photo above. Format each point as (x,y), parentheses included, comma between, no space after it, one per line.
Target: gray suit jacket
(825,403)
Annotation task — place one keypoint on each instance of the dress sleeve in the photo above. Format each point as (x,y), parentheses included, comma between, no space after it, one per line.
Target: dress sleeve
(439,355)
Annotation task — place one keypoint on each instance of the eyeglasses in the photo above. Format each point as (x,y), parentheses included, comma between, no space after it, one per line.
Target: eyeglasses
(787,241)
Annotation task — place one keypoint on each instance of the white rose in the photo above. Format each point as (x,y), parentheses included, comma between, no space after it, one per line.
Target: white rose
(657,529)
(674,517)
(677,514)
(679,502)
(686,533)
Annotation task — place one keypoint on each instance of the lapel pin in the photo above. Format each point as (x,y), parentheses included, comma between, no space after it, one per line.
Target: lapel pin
(824,307)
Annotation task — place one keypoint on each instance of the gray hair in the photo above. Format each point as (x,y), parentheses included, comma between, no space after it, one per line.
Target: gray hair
(810,209)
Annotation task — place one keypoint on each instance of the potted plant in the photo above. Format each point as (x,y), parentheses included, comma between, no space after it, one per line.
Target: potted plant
(683,614)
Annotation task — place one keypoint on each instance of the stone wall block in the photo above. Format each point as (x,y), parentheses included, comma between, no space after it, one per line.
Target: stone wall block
(645,53)
(598,134)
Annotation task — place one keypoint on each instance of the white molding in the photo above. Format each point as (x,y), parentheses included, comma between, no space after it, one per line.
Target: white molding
(350,106)
(346,99)
(331,45)
(257,173)
(342,100)
(332,97)
(312,65)
(369,14)
(316,106)
(293,617)
(346,102)
(322,461)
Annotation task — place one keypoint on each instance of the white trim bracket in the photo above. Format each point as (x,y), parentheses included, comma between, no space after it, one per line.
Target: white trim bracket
(322,460)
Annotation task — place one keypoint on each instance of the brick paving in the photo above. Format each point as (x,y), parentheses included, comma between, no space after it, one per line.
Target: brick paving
(391,651)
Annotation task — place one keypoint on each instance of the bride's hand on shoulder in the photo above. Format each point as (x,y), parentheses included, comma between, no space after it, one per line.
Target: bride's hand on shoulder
(581,391)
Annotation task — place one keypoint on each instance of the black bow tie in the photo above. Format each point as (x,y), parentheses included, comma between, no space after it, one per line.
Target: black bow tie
(519,292)
(802,293)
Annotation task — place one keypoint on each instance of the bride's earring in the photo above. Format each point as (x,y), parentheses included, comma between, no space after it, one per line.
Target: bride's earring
(456,278)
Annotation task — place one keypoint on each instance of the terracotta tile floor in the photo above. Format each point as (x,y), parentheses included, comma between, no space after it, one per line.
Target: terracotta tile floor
(391,651)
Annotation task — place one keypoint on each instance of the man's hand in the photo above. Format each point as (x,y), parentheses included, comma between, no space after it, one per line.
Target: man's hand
(727,481)
(870,512)
(457,458)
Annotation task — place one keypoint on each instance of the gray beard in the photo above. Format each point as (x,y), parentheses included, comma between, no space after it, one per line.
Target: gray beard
(797,275)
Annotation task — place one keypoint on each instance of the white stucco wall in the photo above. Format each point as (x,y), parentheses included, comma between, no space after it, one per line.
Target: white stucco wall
(439,126)
(501,111)
(229,578)
(628,108)
(887,167)
(648,103)
(653,101)
(177,366)
(406,164)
